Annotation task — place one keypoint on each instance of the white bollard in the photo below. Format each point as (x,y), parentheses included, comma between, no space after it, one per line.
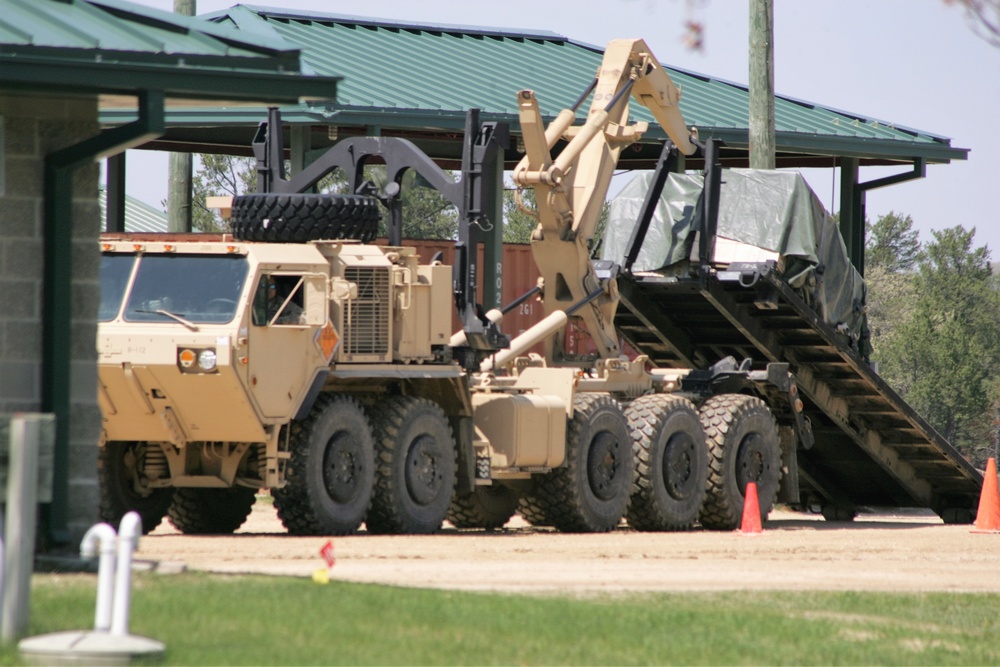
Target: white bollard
(104,535)
(129,532)
(19,537)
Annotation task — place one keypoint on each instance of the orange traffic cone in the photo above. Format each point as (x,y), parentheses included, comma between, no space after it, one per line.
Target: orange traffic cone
(751,511)
(988,514)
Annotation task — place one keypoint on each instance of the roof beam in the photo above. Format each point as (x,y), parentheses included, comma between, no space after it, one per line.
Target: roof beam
(218,84)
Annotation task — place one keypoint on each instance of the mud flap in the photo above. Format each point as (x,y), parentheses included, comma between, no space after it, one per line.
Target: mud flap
(311,395)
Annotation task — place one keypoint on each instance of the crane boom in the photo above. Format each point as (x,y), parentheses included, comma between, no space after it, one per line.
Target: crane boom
(570,190)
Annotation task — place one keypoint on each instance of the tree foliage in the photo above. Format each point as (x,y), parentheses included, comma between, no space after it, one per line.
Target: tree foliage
(892,243)
(520,214)
(983,16)
(937,337)
(218,175)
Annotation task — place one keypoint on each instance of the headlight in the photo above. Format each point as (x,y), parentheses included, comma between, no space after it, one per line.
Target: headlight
(207,359)
(197,360)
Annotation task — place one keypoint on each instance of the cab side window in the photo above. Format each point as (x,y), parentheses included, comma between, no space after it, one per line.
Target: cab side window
(278,301)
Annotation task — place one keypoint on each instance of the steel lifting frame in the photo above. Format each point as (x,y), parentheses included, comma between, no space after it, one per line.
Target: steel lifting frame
(470,194)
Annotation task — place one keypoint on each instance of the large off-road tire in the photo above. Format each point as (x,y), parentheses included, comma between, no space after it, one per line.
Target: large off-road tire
(415,467)
(211,511)
(485,507)
(957,515)
(118,466)
(331,472)
(590,492)
(529,507)
(838,512)
(743,446)
(671,459)
(298,218)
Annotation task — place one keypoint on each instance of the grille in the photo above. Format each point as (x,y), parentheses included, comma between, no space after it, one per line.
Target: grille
(366,320)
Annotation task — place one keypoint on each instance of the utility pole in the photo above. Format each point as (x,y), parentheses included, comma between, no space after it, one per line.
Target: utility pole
(179,187)
(762,84)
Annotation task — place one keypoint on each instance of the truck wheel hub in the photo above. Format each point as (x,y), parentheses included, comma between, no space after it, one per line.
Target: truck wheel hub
(604,464)
(423,479)
(342,466)
(677,466)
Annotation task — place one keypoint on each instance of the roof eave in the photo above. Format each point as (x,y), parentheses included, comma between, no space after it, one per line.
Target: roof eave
(198,84)
(867,148)
(814,144)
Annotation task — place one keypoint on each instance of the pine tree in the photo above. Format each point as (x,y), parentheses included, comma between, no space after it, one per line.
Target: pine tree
(892,243)
(944,357)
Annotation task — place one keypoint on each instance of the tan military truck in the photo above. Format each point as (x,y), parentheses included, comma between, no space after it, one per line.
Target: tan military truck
(298,357)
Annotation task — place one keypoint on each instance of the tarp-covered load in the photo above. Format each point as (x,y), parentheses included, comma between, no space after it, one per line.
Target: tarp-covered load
(774,213)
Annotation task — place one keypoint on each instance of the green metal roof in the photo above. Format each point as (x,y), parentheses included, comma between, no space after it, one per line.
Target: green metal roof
(424,76)
(116,47)
(139,216)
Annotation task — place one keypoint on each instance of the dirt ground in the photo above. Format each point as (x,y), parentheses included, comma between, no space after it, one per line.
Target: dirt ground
(903,551)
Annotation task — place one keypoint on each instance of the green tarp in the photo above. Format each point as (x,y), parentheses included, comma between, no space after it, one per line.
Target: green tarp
(771,210)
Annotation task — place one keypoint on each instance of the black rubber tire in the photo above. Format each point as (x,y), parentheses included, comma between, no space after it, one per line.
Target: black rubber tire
(957,515)
(115,469)
(671,459)
(331,472)
(415,467)
(590,492)
(298,218)
(834,512)
(529,507)
(743,447)
(488,507)
(211,511)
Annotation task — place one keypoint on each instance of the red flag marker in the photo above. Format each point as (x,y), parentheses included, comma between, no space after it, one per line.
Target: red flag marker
(327,553)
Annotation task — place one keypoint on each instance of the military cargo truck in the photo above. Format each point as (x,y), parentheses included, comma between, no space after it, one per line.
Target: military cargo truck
(297,356)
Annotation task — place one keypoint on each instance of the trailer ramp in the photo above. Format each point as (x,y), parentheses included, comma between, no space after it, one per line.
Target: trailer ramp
(871,448)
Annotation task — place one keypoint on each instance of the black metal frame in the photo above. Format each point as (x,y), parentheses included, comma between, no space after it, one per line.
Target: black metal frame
(470,195)
(709,204)
(865,444)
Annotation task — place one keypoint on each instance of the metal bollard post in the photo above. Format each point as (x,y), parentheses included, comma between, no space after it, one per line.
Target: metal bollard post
(22,509)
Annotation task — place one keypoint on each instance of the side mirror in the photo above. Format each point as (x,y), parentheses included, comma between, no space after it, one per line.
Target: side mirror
(315,300)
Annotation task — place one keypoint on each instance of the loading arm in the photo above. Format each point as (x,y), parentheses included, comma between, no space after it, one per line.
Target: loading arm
(570,190)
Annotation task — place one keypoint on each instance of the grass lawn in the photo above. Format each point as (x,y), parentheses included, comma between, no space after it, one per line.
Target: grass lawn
(254,620)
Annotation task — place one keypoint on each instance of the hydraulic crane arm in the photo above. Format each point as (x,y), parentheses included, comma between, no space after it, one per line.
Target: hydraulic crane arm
(570,190)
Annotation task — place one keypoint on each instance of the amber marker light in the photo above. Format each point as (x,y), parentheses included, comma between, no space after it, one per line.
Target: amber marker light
(187,358)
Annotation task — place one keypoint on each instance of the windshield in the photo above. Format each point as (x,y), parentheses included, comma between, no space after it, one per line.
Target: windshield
(201,289)
(115,271)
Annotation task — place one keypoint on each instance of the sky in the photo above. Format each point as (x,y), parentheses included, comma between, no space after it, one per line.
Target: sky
(914,63)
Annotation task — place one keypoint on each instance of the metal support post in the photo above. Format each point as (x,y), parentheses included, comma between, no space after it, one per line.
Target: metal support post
(26,433)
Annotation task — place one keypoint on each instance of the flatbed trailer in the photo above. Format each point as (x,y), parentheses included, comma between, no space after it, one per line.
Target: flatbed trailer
(871,448)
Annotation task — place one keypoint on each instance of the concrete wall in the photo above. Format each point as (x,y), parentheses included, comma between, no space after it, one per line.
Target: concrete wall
(34,126)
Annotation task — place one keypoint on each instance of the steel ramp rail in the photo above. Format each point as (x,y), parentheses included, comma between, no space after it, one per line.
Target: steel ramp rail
(871,447)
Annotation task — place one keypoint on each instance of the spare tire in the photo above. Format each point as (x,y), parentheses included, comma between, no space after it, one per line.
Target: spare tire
(298,218)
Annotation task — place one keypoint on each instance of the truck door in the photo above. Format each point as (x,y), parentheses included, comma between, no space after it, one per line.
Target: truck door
(282,353)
